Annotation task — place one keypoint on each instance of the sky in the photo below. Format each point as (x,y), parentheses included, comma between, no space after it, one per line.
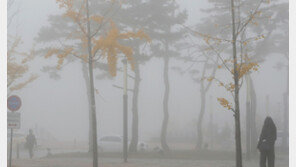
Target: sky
(60,106)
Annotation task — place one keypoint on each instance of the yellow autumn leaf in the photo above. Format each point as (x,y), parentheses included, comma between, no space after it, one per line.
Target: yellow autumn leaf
(51,52)
(98,19)
(17,66)
(244,68)
(224,103)
(210,79)
(23,84)
(110,46)
(206,39)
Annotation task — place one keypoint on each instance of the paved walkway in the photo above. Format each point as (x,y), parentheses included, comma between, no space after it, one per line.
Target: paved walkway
(113,162)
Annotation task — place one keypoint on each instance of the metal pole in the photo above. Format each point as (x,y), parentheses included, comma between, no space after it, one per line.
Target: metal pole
(10,153)
(125,137)
(18,151)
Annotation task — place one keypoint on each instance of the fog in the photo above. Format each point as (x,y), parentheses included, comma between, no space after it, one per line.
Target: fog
(59,107)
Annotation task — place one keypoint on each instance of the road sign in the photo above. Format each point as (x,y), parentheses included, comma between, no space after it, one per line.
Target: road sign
(14,103)
(13,120)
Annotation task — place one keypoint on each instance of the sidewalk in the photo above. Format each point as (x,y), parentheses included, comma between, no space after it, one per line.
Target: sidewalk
(114,162)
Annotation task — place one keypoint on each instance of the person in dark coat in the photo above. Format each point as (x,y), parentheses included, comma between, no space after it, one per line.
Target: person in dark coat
(266,143)
(31,142)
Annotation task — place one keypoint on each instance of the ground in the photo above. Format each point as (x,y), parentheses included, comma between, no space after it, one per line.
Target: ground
(86,162)
(146,160)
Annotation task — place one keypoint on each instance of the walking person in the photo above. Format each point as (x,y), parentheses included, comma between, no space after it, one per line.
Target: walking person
(266,143)
(31,142)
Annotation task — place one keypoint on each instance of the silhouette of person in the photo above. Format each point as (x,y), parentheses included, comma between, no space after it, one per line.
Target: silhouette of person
(266,143)
(31,142)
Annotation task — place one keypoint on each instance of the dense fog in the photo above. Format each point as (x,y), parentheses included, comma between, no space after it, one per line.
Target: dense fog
(194,38)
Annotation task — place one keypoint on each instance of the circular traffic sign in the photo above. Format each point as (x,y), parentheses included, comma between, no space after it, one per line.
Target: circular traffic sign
(14,103)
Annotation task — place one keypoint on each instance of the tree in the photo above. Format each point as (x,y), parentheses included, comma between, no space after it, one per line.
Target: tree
(238,71)
(17,61)
(159,20)
(126,18)
(57,32)
(165,16)
(86,36)
(208,55)
(17,66)
(201,55)
(203,91)
(234,24)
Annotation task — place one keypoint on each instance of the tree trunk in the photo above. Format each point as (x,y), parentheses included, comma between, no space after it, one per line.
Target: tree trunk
(200,117)
(236,92)
(203,91)
(286,115)
(238,153)
(125,119)
(165,105)
(248,129)
(211,123)
(135,124)
(92,91)
(253,129)
(202,109)
(86,79)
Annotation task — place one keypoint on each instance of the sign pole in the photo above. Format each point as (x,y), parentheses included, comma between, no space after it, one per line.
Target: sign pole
(10,152)
(18,151)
